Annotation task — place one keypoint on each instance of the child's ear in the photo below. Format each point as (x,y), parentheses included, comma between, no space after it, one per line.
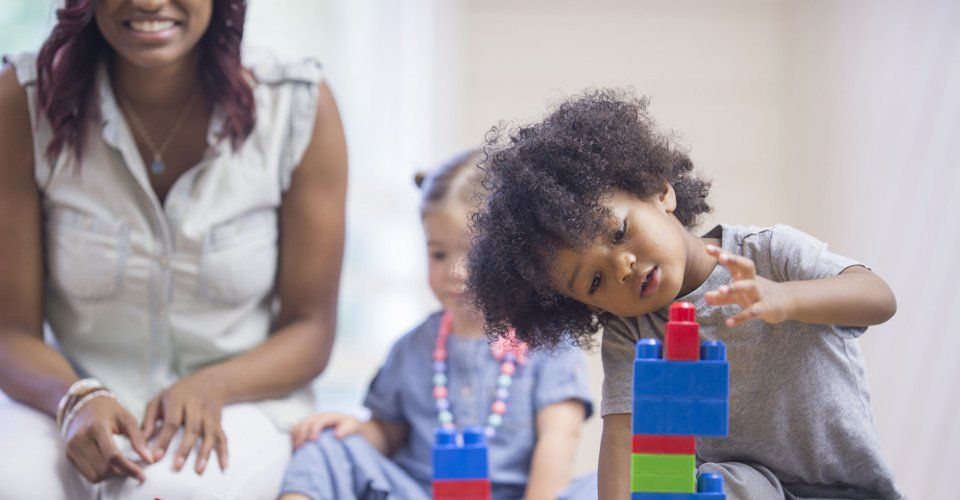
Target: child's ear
(668,197)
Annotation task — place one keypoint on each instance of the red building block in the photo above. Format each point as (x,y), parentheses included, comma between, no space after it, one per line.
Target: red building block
(664,444)
(682,338)
(461,489)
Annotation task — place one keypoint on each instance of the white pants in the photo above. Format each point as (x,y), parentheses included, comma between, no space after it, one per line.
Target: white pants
(33,463)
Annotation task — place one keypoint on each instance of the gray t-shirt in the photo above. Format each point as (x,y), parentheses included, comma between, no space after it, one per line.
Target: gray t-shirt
(799,404)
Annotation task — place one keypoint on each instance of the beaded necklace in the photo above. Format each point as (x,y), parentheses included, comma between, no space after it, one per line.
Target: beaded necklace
(506,350)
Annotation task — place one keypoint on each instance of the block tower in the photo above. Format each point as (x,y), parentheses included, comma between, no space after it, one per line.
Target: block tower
(460,470)
(680,390)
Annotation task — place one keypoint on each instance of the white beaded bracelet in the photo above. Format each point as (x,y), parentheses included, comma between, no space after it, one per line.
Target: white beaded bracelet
(78,387)
(72,412)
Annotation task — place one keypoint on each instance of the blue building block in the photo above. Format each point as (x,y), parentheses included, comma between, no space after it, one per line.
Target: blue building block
(679,416)
(709,487)
(451,460)
(681,379)
(713,350)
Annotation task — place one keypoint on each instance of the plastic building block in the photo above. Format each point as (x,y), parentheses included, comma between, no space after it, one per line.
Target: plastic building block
(474,489)
(681,379)
(709,487)
(682,333)
(676,416)
(713,350)
(681,389)
(664,483)
(453,461)
(663,464)
(681,445)
(708,482)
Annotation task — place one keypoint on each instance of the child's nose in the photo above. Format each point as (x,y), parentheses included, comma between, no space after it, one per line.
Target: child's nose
(459,269)
(627,260)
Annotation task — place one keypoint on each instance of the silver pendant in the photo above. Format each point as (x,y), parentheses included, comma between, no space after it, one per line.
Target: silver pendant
(157,166)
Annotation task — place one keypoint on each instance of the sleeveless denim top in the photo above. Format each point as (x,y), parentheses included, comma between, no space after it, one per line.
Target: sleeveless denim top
(139,293)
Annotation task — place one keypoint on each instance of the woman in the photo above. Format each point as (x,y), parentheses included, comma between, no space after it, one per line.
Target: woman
(176,217)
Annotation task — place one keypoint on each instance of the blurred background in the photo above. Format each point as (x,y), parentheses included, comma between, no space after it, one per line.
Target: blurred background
(838,117)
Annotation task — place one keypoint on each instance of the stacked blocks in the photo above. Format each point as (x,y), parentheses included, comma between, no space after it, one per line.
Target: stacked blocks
(460,470)
(680,390)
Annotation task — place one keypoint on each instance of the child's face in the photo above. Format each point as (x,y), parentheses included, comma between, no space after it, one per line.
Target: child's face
(448,243)
(637,266)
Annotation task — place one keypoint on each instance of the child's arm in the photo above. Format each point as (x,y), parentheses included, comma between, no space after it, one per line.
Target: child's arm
(558,434)
(384,436)
(855,297)
(613,469)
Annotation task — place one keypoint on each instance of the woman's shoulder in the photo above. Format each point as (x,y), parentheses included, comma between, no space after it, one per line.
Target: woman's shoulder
(270,68)
(22,66)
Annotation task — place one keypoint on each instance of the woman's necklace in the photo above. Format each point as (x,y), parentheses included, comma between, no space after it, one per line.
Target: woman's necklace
(506,350)
(157,167)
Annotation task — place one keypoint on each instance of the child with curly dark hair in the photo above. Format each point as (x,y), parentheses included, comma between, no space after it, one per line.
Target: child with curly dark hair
(588,227)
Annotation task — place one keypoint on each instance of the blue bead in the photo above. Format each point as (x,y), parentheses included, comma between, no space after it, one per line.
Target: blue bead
(439,366)
(443,404)
(503,393)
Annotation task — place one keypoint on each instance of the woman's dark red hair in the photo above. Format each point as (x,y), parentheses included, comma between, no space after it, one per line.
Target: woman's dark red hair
(67,71)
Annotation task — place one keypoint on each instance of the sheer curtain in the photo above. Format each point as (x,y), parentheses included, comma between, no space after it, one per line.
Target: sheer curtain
(390,67)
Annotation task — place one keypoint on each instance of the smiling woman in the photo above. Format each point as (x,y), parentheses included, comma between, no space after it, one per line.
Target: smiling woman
(149,168)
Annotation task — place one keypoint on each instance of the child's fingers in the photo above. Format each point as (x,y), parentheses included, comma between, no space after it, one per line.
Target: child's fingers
(740,267)
(743,293)
(345,428)
(747,314)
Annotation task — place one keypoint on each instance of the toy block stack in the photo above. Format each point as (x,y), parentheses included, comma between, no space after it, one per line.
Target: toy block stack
(680,390)
(460,469)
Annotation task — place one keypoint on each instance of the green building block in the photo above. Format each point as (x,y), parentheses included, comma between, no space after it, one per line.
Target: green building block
(663,483)
(648,463)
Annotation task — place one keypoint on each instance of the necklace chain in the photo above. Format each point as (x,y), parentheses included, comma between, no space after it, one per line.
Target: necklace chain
(157,167)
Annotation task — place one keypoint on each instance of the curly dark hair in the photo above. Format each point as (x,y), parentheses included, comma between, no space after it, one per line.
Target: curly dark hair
(545,184)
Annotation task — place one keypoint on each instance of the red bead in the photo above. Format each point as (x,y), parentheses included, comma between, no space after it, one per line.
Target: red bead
(440,392)
(499,407)
(508,368)
(439,354)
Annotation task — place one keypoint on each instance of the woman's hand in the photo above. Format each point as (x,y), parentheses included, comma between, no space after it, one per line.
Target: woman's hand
(194,403)
(90,446)
(759,297)
(310,428)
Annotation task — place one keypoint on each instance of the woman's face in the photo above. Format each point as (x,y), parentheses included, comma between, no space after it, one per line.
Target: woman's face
(636,266)
(153,33)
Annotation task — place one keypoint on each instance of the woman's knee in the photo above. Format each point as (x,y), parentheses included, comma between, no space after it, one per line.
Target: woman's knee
(32,461)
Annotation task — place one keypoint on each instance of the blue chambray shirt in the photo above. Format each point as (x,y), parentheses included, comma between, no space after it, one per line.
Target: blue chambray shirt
(402,391)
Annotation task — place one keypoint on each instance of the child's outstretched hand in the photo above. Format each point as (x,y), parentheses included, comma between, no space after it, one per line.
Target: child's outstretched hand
(759,297)
(310,428)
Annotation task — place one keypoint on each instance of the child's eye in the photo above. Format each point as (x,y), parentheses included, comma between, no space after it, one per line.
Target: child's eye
(438,256)
(594,284)
(621,232)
